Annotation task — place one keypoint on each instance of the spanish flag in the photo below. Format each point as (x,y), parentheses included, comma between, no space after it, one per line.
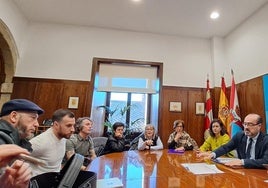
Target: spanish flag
(224,111)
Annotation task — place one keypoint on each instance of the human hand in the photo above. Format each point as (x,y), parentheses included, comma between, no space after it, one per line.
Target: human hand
(236,163)
(10,151)
(149,142)
(205,155)
(180,149)
(178,136)
(17,175)
(118,134)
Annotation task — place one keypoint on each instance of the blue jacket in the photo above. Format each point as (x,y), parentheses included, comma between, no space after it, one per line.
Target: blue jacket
(239,142)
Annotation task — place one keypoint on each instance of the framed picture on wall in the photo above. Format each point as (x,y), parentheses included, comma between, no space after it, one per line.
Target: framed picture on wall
(73,102)
(200,108)
(174,106)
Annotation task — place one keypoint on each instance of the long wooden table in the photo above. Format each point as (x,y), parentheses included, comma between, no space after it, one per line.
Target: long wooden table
(162,169)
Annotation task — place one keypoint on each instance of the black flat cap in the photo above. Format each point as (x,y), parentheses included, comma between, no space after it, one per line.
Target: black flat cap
(20,105)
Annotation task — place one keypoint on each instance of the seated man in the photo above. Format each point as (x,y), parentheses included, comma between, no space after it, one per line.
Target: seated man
(19,120)
(251,145)
(50,145)
(116,142)
(82,142)
(179,139)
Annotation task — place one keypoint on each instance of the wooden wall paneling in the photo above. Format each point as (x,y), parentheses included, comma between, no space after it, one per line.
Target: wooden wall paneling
(166,126)
(49,96)
(52,94)
(195,123)
(77,89)
(24,89)
(251,99)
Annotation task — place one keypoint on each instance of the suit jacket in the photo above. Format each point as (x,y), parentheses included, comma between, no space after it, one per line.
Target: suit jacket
(239,142)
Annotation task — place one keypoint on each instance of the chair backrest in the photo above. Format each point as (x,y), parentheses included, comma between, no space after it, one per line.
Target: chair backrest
(99,144)
(134,143)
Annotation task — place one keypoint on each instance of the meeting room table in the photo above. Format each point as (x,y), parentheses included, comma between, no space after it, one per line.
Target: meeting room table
(162,169)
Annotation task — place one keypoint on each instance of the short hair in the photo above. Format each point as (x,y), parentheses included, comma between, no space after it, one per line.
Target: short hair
(223,129)
(60,113)
(118,124)
(79,123)
(177,122)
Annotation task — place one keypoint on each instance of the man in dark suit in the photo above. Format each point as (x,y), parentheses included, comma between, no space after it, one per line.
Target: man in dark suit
(251,145)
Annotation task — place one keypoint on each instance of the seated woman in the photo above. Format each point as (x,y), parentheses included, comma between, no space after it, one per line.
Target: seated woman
(179,139)
(116,142)
(149,140)
(218,137)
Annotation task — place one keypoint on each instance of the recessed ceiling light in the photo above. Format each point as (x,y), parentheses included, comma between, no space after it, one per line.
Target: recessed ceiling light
(136,0)
(214,15)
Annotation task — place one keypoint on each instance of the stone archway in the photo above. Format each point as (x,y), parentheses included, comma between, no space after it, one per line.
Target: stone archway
(8,61)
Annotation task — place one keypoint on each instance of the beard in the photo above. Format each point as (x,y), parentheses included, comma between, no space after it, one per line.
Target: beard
(22,130)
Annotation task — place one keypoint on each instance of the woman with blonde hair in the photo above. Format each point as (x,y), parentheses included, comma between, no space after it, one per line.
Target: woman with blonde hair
(149,140)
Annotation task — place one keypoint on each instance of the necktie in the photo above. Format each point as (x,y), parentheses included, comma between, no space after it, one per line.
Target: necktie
(249,148)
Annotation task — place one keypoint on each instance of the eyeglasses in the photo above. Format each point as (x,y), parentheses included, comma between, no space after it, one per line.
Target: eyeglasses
(249,124)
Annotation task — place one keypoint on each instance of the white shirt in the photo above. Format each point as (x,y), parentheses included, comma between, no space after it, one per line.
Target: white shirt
(49,148)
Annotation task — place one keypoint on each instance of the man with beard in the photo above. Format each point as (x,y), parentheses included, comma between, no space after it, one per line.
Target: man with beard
(18,122)
(50,145)
(251,145)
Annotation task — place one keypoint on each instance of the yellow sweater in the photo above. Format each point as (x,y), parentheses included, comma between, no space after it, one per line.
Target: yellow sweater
(212,143)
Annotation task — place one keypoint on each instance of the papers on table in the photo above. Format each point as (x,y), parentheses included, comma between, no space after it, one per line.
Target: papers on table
(201,168)
(109,183)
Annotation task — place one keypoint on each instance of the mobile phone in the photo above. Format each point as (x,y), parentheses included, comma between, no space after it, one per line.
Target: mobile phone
(33,160)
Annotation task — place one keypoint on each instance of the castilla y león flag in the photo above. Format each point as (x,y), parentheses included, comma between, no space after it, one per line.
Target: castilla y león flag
(209,114)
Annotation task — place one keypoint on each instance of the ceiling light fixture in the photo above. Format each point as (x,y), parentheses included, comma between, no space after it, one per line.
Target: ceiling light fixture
(214,15)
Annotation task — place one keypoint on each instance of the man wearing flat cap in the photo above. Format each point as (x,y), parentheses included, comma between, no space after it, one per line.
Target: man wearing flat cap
(18,122)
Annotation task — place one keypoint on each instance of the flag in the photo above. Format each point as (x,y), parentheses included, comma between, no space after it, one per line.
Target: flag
(224,113)
(236,124)
(208,113)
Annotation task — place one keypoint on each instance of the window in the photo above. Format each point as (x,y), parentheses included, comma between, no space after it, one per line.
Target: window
(125,83)
(136,116)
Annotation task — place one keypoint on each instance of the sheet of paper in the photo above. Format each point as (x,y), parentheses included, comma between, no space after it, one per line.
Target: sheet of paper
(201,168)
(109,183)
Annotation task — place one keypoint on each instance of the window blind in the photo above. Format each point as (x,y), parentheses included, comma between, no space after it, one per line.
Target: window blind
(128,78)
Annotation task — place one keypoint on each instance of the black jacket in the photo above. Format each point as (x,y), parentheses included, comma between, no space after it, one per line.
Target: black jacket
(114,144)
(10,135)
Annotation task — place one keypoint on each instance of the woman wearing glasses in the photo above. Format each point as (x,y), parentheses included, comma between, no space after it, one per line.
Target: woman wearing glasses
(179,139)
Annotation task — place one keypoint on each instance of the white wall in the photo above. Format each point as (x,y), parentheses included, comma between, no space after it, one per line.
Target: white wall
(246,47)
(66,52)
(14,20)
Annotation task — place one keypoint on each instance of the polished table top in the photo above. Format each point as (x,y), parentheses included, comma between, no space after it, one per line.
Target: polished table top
(162,169)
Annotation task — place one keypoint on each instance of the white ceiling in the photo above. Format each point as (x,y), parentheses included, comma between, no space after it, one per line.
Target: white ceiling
(171,17)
